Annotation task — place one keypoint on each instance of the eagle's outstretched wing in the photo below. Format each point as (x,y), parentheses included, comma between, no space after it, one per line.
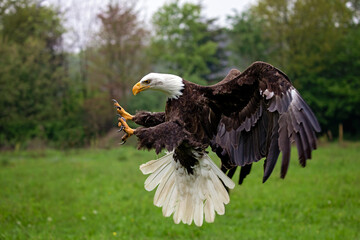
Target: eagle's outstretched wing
(262,113)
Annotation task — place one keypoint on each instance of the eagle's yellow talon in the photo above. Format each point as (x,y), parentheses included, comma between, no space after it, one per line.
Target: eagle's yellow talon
(122,112)
(123,117)
(127,129)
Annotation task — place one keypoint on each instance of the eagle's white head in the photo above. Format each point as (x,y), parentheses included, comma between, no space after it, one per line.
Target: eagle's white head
(170,84)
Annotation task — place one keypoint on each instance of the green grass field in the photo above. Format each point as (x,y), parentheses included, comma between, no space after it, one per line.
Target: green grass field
(99,194)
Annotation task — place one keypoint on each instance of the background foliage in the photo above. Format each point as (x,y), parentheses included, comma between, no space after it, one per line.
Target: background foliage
(55,97)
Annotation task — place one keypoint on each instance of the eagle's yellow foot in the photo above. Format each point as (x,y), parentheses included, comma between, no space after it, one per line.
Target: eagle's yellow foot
(128,130)
(122,111)
(123,117)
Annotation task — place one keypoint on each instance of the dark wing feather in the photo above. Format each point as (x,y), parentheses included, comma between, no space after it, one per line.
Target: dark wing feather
(245,170)
(262,113)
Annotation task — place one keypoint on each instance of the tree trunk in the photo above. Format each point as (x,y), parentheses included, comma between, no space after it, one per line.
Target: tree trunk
(341,134)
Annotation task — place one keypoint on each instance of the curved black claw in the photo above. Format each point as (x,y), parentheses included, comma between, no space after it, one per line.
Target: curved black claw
(117,105)
(124,138)
(122,126)
(123,142)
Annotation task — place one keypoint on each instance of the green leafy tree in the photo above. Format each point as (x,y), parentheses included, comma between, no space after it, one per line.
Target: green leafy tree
(32,75)
(116,60)
(322,49)
(260,33)
(185,43)
(247,42)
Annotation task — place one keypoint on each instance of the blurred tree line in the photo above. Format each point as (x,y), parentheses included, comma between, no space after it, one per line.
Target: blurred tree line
(63,98)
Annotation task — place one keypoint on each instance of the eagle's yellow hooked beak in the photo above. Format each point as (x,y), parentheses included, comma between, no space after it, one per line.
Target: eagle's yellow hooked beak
(138,88)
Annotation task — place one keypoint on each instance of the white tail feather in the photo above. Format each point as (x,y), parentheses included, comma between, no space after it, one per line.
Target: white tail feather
(209,210)
(227,181)
(188,196)
(199,212)
(169,208)
(162,192)
(153,165)
(154,179)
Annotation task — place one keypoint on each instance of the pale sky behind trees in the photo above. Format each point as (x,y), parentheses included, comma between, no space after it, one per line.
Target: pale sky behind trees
(80,16)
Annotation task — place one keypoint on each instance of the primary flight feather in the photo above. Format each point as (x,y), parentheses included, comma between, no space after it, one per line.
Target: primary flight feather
(243,118)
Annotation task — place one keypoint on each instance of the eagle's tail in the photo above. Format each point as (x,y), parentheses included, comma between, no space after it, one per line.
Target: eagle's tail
(188,196)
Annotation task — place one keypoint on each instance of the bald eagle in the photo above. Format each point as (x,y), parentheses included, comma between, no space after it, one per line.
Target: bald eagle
(245,117)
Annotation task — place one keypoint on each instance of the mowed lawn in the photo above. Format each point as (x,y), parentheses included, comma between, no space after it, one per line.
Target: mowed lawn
(99,194)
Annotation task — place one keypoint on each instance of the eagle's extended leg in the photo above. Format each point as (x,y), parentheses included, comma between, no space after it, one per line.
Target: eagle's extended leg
(124,116)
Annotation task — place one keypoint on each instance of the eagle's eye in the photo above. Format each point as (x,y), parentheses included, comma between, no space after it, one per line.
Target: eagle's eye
(147,81)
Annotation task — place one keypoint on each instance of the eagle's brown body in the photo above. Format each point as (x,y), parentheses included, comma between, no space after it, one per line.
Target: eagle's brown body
(244,118)
(235,119)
